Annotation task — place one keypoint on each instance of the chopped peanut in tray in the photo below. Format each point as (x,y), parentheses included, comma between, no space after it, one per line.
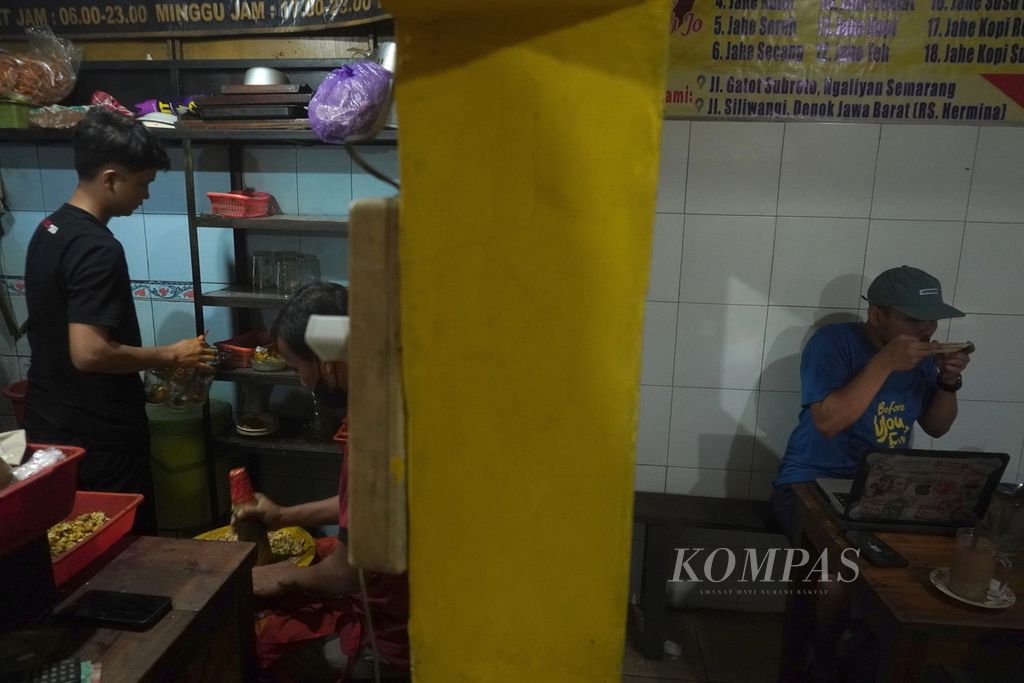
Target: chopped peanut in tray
(282,544)
(265,353)
(63,536)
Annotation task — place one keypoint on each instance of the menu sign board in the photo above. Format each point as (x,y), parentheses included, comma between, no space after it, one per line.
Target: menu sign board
(865,60)
(141,18)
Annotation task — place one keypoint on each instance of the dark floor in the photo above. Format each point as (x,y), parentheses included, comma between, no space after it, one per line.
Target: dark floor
(717,646)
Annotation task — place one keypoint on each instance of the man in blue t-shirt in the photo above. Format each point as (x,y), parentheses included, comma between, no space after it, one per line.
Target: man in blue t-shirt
(863,385)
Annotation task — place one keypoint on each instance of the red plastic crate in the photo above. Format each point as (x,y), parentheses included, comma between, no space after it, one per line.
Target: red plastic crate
(237,352)
(239,204)
(30,507)
(119,507)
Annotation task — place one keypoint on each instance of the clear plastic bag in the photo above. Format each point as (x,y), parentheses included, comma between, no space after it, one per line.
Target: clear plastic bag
(46,74)
(40,460)
(352,102)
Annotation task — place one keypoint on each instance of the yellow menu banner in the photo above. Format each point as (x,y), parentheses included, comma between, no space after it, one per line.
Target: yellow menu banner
(959,61)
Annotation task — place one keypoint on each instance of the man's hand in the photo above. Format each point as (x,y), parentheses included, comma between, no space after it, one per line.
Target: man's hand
(905,352)
(951,365)
(191,353)
(267,581)
(265,510)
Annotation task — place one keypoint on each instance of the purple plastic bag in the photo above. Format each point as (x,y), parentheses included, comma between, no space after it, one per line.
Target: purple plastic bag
(350,102)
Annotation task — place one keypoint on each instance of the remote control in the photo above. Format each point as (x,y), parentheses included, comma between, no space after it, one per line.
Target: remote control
(874,550)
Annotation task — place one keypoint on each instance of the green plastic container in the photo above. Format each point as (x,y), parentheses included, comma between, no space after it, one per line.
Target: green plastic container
(180,482)
(14,114)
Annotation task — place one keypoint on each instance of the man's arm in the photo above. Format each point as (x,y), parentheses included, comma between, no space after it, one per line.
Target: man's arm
(92,350)
(276,516)
(938,416)
(332,576)
(845,405)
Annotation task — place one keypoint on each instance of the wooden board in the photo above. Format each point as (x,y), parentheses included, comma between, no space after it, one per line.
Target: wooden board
(255,98)
(378,527)
(239,89)
(246,124)
(265,111)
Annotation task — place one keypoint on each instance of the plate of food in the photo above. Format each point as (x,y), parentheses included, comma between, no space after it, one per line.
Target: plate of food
(265,359)
(257,425)
(291,543)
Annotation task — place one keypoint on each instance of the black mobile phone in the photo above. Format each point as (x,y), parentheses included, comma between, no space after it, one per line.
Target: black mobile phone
(113,609)
(875,550)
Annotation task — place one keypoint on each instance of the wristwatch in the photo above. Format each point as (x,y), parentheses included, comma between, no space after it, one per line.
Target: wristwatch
(951,388)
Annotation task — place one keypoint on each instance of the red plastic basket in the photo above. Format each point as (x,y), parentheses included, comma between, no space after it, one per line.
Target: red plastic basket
(237,352)
(119,507)
(239,204)
(30,507)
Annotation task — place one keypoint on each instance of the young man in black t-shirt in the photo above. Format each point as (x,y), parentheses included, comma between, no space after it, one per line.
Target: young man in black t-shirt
(84,386)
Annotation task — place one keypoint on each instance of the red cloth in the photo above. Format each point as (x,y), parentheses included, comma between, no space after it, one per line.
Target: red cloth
(294,620)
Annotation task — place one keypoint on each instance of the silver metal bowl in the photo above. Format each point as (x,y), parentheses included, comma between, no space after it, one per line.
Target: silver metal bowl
(264,75)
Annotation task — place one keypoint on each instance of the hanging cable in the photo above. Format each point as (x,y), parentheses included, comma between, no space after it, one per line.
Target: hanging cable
(363,164)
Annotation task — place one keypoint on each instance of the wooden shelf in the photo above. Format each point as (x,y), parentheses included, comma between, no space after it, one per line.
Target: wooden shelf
(277,224)
(241,296)
(284,377)
(30,135)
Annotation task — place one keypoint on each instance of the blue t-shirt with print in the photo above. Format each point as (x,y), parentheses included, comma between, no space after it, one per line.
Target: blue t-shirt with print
(832,358)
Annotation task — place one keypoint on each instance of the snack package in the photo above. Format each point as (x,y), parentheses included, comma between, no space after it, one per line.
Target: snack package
(351,102)
(105,99)
(176,107)
(56,116)
(46,74)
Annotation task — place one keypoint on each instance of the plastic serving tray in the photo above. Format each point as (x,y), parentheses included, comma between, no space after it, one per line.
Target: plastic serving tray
(30,507)
(119,507)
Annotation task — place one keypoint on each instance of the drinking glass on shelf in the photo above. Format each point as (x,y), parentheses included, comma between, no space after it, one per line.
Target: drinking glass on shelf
(264,272)
(311,268)
(290,266)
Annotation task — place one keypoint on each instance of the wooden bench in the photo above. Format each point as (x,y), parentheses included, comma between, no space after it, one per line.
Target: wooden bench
(664,516)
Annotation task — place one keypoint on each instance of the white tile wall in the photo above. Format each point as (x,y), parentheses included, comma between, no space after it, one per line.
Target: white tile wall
(666,254)
(828,169)
(818,262)
(992,248)
(715,271)
(782,228)
(734,168)
(712,429)
(703,327)
(998,176)
(924,172)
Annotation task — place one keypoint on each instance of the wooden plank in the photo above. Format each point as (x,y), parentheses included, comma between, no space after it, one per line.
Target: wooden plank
(242,89)
(244,125)
(253,98)
(377,495)
(264,111)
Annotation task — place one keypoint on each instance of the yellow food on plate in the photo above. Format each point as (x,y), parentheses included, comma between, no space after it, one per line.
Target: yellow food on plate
(63,536)
(292,543)
(265,353)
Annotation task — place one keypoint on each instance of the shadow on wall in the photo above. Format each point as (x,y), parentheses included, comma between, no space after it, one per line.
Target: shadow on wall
(784,371)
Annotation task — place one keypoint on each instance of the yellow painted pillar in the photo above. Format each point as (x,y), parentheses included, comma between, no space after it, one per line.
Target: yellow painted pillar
(529,142)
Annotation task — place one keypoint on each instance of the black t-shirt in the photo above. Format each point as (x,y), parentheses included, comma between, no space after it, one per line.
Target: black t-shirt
(76,272)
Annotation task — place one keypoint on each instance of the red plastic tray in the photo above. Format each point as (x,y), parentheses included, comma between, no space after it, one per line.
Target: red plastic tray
(30,507)
(119,507)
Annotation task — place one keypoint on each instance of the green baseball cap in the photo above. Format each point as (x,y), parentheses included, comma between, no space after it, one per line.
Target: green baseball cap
(912,292)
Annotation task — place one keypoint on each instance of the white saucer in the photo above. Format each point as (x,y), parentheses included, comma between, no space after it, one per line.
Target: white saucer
(940,579)
(269,419)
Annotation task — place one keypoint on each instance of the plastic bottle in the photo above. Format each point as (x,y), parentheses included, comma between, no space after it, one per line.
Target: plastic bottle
(251,530)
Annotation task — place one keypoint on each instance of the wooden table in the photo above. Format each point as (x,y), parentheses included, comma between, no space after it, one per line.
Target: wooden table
(208,634)
(914,622)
